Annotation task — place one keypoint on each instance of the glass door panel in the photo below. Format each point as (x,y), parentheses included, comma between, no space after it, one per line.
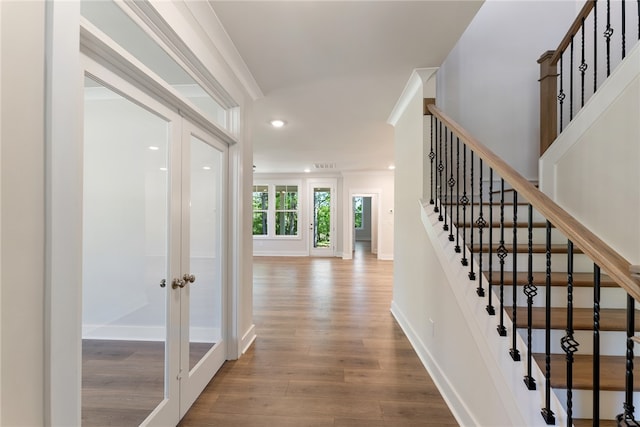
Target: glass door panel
(125,259)
(205,261)
(321,227)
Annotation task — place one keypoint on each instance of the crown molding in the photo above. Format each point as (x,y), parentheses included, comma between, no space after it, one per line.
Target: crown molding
(418,78)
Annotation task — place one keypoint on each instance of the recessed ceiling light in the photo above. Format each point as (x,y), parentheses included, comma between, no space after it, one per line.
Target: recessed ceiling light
(163,169)
(392,167)
(277,123)
(207,168)
(307,170)
(153,148)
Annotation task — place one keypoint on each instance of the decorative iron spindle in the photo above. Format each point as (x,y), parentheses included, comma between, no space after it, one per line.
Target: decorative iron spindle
(445,226)
(561,94)
(608,32)
(472,275)
(530,290)
(464,201)
(502,254)
(571,81)
(596,343)
(595,46)
(582,68)
(432,156)
(514,352)
(457,248)
(452,183)
(481,224)
(623,29)
(440,169)
(547,413)
(627,418)
(490,309)
(568,343)
(638,4)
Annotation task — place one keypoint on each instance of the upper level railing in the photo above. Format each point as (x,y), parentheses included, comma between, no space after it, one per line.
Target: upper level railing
(596,42)
(460,166)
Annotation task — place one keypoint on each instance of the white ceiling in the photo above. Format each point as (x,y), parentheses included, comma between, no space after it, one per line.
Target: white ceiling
(333,70)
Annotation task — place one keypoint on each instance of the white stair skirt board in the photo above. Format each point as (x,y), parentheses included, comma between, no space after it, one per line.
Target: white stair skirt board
(519,402)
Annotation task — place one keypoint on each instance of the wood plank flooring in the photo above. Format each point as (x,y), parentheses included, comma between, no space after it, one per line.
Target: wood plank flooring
(328,353)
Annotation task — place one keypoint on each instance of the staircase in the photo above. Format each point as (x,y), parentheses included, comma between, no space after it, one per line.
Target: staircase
(613,319)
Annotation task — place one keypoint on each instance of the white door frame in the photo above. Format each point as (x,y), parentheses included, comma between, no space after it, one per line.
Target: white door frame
(349,233)
(330,183)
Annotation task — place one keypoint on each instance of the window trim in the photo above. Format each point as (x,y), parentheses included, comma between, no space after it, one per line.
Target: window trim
(272,209)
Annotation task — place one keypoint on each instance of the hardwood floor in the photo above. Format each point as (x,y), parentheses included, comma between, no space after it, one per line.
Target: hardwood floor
(328,353)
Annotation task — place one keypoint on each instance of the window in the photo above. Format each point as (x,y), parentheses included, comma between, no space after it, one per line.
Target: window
(260,210)
(275,210)
(286,210)
(357,212)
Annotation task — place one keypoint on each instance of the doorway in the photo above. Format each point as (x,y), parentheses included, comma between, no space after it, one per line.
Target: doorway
(154,275)
(322,218)
(362,224)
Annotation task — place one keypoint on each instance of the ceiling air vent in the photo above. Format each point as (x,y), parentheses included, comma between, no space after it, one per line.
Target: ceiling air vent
(324,166)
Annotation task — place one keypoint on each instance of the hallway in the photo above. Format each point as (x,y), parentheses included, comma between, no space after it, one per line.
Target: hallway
(328,353)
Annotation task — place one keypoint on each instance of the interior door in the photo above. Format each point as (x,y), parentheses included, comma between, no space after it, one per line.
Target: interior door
(321,224)
(203,345)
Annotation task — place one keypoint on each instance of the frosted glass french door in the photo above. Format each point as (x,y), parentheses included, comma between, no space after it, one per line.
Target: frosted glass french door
(154,202)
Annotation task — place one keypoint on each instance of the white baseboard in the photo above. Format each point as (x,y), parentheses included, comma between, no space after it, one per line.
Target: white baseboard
(385,257)
(248,338)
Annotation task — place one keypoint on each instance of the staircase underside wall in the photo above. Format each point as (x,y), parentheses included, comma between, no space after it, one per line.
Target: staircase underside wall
(457,341)
(591,169)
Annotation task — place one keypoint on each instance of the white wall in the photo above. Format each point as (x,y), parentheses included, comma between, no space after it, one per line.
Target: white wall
(22,240)
(489,81)
(592,171)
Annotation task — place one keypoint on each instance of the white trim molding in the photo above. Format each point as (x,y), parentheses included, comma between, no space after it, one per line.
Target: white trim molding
(418,78)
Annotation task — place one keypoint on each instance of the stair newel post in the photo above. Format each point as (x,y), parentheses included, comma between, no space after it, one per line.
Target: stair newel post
(480,223)
(502,254)
(596,344)
(441,169)
(568,343)
(490,309)
(627,418)
(432,156)
(548,101)
(530,290)
(514,352)
(457,248)
(547,413)
(445,226)
(464,201)
(472,275)
(452,183)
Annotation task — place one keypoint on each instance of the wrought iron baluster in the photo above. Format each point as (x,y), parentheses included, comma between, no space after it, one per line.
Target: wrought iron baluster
(561,94)
(472,275)
(627,418)
(502,254)
(436,208)
(638,4)
(452,183)
(530,290)
(608,32)
(571,89)
(445,226)
(623,29)
(443,207)
(432,155)
(514,352)
(547,413)
(464,201)
(490,309)
(457,248)
(595,46)
(583,68)
(481,224)
(596,343)
(568,343)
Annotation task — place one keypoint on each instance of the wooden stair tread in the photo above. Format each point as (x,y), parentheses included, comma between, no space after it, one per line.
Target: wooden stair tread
(583,422)
(557,279)
(507,224)
(524,248)
(611,319)
(612,372)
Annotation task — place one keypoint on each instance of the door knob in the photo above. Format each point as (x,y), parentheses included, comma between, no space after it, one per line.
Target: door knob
(178,283)
(189,278)
(163,283)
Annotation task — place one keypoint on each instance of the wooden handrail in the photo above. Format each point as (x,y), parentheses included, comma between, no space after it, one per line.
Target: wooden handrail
(573,30)
(602,254)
